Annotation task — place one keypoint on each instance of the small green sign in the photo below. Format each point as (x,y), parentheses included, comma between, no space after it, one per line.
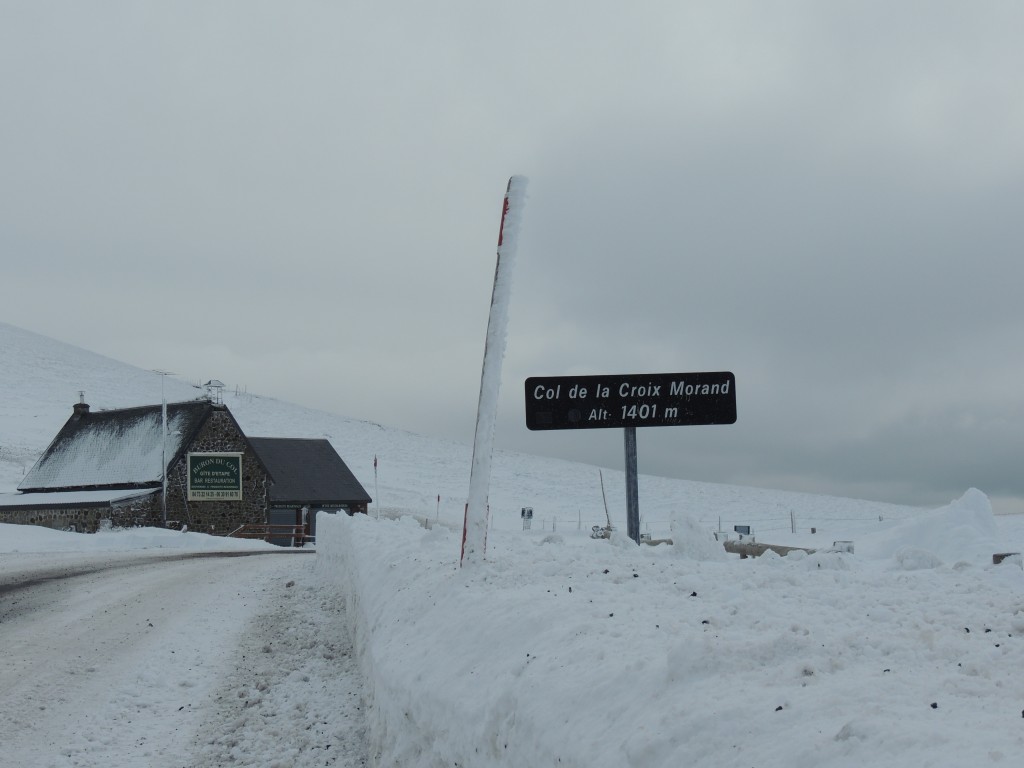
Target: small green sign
(215,477)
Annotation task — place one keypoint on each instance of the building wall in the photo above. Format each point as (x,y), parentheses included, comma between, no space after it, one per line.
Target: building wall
(219,434)
(86,519)
(147,511)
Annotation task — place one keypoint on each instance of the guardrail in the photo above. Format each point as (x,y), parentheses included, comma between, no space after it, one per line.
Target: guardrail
(298,535)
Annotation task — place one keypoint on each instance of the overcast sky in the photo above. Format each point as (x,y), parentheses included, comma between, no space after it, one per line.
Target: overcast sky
(302,199)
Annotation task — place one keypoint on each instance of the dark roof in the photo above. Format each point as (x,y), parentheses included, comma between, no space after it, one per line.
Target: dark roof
(116,448)
(307,472)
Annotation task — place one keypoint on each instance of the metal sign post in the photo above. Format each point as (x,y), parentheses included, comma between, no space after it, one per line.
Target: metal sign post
(632,488)
(630,401)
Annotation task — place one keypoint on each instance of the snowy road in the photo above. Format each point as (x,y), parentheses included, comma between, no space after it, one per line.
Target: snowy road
(179,660)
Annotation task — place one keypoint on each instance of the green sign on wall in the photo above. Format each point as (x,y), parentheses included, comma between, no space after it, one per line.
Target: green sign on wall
(215,477)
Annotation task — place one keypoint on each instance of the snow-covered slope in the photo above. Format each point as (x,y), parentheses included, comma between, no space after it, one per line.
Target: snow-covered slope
(41,379)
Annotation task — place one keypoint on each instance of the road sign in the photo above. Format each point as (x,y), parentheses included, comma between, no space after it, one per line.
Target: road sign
(631,400)
(215,476)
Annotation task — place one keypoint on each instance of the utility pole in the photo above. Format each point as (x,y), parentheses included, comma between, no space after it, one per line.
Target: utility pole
(163,438)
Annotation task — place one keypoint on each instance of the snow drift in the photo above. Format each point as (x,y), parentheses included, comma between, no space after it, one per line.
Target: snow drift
(565,650)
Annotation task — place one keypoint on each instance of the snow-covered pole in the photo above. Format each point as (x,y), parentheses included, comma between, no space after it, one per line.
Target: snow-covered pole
(474,531)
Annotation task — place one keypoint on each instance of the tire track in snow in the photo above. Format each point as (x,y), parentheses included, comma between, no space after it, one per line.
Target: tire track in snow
(295,696)
(119,667)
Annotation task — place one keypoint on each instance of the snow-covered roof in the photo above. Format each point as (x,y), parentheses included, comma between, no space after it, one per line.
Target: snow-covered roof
(115,448)
(72,498)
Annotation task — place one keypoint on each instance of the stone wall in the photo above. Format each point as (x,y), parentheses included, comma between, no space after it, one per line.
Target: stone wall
(132,512)
(220,434)
(135,513)
(86,520)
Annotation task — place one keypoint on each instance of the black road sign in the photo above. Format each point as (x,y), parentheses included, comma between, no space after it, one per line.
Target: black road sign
(632,400)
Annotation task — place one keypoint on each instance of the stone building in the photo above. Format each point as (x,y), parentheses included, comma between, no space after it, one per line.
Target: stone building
(309,476)
(110,466)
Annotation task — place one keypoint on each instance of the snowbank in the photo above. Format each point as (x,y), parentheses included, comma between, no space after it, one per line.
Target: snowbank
(36,539)
(564,650)
(964,530)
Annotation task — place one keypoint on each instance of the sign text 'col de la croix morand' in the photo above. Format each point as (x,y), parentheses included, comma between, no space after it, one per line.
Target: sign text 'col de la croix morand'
(633,400)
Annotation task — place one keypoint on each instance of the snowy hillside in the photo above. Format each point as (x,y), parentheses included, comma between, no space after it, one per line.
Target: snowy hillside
(41,379)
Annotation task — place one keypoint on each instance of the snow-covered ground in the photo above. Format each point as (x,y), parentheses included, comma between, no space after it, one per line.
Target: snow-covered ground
(157,648)
(565,650)
(558,650)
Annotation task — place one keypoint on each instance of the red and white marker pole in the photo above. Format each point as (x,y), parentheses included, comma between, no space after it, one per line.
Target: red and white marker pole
(474,530)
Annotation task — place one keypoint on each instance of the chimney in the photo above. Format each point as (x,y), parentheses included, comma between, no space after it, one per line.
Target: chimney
(81,407)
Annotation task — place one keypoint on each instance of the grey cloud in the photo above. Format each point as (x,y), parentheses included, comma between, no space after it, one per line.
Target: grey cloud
(822,198)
